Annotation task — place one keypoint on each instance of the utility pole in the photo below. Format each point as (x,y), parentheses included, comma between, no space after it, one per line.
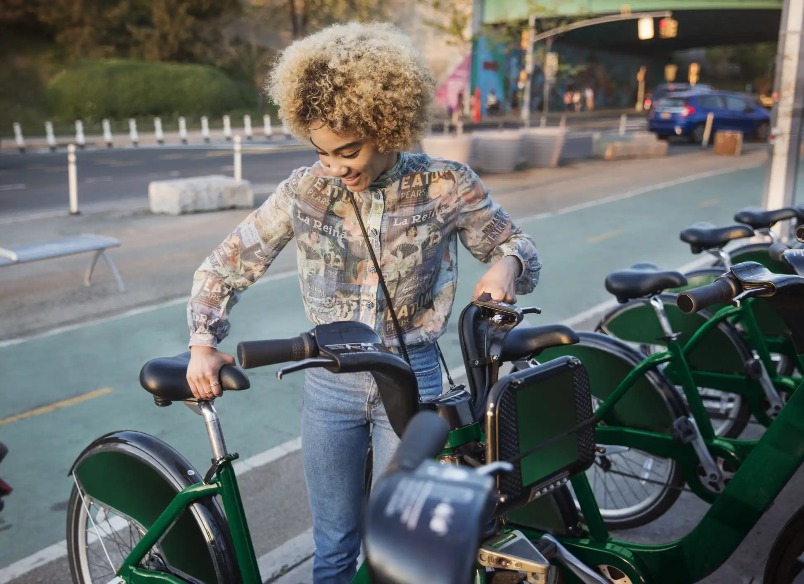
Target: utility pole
(788,85)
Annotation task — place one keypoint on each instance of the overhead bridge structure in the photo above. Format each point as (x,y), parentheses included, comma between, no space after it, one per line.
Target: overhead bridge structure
(701,23)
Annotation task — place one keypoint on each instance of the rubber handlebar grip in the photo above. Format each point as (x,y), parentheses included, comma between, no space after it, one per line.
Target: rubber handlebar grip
(423,438)
(721,290)
(252,354)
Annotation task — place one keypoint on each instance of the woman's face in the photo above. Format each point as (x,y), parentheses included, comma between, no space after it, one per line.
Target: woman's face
(356,161)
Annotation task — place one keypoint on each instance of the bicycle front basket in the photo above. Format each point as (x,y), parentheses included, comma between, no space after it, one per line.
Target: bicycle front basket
(540,419)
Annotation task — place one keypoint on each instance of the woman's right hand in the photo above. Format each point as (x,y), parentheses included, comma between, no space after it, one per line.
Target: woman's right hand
(202,372)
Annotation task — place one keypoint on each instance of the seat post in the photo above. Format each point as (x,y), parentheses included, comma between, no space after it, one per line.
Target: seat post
(214,431)
(723,255)
(661,314)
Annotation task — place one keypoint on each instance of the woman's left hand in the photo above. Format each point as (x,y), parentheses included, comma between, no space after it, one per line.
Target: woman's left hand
(498,281)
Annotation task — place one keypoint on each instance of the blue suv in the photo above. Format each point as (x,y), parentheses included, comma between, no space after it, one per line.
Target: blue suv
(684,114)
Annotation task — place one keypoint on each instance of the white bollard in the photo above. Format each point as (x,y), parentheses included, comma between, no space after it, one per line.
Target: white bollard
(132,131)
(72,179)
(50,136)
(227,128)
(205,128)
(183,130)
(79,134)
(710,117)
(18,137)
(160,136)
(623,119)
(543,122)
(107,133)
(562,123)
(238,163)
(286,129)
(247,127)
(266,126)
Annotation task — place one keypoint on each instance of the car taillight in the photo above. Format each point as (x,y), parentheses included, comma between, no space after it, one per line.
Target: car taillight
(687,110)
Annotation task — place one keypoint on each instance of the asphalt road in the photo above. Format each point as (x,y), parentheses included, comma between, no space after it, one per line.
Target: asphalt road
(61,343)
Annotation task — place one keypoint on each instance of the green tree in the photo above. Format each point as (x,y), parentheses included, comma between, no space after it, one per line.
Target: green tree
(306,16)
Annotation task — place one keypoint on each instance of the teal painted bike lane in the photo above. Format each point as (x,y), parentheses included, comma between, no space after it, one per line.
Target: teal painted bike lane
(75,385)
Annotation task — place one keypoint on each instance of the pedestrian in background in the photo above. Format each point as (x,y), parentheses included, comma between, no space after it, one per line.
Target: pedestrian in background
(589,97)
(361,95)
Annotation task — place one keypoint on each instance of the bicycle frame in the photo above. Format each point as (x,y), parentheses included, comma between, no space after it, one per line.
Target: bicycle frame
(762,475)
(224,484)
(636,327)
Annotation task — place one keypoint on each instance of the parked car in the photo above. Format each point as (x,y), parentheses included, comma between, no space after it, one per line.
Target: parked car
(663,89)
(684,114)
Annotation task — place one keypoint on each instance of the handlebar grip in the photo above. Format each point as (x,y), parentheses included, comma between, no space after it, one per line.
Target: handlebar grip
(721,290)
(260,353)
(776,251)
(424,437)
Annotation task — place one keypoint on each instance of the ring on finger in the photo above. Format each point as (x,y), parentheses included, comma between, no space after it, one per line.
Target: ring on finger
(213,384)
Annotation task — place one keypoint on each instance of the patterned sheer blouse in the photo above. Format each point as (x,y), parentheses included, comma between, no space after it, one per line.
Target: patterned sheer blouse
(414,214)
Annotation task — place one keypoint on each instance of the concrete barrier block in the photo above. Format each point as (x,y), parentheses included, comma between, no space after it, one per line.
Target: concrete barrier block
(456,148)
(729,143)
(202,193)
(498,151)
(637,149)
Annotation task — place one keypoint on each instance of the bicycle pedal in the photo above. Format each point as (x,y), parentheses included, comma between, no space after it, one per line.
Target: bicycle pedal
(513,551)
(684,431)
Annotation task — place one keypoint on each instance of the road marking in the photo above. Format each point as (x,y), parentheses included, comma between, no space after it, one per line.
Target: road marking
(635,192)
(709,203)
(14,187)
(604,236)
(65,403)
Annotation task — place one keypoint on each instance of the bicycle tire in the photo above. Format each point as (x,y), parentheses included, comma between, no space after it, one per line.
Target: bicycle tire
(109,510)
(785,563)
(635,322)
(632,487)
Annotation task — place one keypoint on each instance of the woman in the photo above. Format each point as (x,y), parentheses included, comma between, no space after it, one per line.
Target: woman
(361,95)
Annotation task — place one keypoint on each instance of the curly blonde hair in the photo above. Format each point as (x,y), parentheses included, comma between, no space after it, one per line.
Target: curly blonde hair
(367,79)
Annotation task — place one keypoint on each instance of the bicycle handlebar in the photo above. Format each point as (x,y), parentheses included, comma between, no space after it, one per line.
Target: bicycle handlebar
(252,354)
(721,290)
(424,437)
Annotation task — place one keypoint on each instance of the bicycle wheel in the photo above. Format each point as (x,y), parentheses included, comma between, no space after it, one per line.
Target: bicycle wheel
(785,563)
(124,480)
(632,487)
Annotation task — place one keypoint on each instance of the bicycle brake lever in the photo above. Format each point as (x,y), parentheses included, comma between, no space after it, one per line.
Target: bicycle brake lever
(304,364)
(531,310)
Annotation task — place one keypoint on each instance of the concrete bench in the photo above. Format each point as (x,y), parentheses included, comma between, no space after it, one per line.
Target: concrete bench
(64,246)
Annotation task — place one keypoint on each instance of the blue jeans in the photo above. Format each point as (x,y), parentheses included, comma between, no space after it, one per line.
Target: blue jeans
(340,414)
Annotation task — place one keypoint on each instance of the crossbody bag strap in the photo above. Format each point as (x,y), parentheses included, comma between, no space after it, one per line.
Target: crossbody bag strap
(403,349)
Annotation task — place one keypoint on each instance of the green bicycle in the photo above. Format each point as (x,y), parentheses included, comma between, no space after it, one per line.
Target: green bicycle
(590,555)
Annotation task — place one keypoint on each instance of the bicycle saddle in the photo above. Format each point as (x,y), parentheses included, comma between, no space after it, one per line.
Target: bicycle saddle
(166,379)
(705,236)
(642,280)
(765,219)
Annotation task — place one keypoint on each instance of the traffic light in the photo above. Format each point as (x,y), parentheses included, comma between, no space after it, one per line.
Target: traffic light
(668,28)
